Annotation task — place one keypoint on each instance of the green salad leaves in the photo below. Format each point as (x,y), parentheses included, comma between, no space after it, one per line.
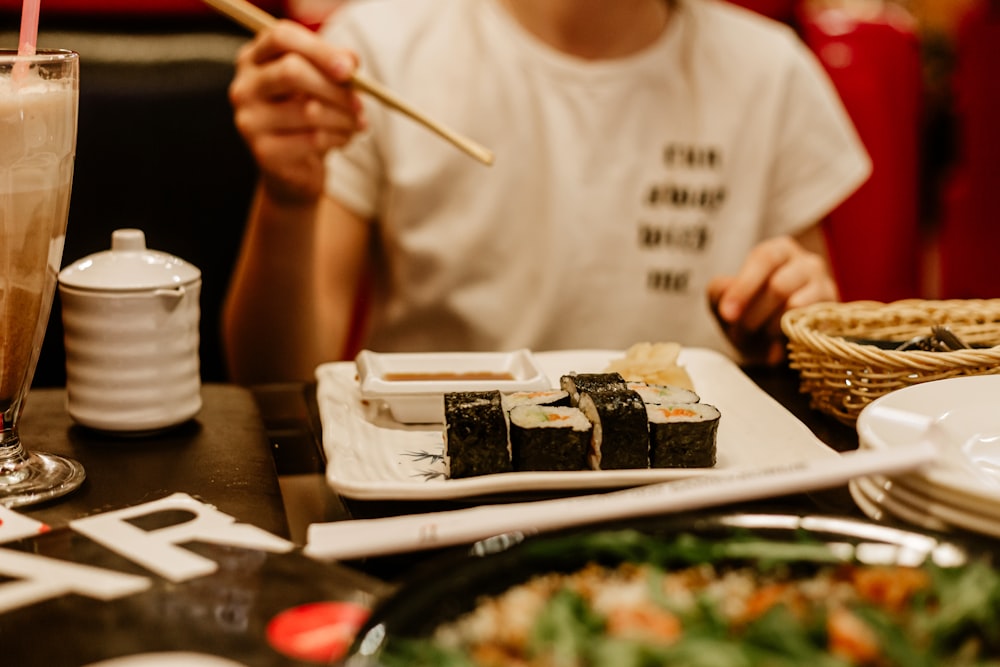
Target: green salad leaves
(742,601)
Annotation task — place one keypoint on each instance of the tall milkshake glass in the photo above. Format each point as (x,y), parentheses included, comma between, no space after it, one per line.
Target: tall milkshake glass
(38,117)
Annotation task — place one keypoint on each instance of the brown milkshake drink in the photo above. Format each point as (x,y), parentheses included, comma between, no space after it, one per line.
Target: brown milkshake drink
(38,114)
(37,144)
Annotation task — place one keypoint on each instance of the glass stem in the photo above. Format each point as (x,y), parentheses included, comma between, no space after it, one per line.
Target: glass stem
(13,457)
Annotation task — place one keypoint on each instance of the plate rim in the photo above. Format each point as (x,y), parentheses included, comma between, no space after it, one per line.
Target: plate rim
(949,514)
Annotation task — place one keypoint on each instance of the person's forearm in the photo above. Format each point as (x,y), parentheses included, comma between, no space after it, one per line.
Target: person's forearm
(268,318)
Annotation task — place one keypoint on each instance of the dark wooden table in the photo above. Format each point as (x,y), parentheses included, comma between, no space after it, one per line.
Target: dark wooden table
(221,457)
(224,457)
(231,456)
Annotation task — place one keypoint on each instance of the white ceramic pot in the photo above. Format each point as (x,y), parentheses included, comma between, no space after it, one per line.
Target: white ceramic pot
(131,319)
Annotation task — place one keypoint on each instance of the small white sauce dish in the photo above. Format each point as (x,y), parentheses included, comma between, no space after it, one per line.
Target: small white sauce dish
(412,384)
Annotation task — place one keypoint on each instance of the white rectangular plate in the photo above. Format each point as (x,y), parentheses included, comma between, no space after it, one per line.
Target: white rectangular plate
(372,457)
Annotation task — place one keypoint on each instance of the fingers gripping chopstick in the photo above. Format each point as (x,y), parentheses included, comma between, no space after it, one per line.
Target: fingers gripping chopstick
(256,19)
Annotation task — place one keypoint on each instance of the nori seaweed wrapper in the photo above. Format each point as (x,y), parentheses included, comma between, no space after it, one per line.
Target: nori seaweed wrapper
(549,438)
(621,429)
(580,383)
(475,434)
(687,442)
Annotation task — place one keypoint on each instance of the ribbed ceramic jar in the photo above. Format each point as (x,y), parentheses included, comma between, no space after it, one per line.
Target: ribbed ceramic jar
(131,318)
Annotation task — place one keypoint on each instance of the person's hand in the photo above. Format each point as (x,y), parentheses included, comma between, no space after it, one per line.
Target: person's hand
(292,103)
(778,274)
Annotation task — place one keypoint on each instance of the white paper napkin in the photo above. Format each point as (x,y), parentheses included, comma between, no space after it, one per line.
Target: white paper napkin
(373,537)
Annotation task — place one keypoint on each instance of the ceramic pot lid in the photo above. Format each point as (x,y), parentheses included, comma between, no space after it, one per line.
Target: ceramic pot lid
(129,265)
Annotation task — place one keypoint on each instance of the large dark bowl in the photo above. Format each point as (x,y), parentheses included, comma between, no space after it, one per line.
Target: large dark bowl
(450,586)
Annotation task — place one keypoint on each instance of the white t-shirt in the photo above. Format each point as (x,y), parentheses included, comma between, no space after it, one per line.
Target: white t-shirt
(620,187)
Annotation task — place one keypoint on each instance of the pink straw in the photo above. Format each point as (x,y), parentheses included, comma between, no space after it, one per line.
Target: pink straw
(28,42)
(29,28)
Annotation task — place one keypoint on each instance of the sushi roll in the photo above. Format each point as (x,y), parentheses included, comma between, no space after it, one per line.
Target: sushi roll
(549,438)
(551,397)
(621,429)
(576,383)
(663,393)
(475,434)
(682,435)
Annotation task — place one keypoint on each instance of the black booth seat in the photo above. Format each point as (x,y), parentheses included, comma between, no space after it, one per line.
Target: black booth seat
(157,150)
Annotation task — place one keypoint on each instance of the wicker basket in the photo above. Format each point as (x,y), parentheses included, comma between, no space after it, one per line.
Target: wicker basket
(842,376)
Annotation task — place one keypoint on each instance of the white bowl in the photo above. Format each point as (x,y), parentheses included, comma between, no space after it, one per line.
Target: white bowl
(413,384)
(966,410)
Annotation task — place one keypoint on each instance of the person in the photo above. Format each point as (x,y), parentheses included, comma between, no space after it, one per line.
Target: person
(661,170)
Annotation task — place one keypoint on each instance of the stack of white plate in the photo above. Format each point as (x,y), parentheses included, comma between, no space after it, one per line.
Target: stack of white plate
(960,491)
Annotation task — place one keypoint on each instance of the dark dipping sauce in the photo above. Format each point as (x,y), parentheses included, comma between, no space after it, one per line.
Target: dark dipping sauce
(448,377)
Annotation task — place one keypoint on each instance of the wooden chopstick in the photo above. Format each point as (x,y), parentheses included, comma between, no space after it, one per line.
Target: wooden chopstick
(256,19)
